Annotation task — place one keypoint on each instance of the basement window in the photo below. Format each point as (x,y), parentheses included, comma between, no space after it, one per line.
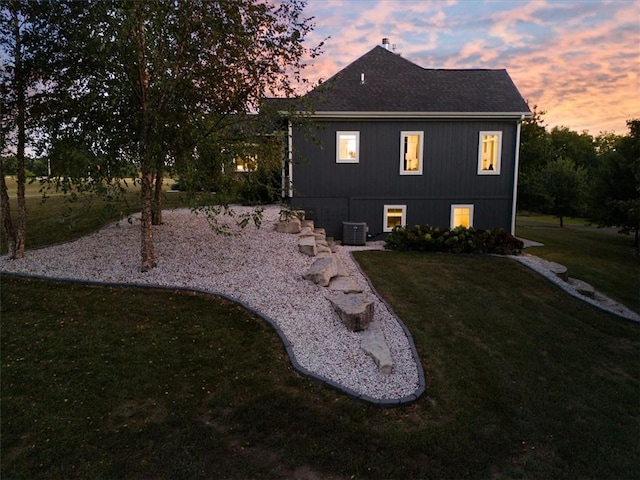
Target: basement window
(394,216)
(347,147)
(461,216)
(489,153)
(411,153)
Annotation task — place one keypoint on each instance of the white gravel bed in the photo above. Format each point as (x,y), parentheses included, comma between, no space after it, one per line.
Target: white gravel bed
(259,267)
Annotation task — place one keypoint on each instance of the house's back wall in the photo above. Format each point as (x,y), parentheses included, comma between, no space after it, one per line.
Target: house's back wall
(335,192)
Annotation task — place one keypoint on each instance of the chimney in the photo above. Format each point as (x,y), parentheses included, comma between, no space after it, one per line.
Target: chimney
(385,43)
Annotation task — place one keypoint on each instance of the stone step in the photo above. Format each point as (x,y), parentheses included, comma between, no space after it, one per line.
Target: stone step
(344,284)
(322,271)
(289,226)
(355,310)
(375,345)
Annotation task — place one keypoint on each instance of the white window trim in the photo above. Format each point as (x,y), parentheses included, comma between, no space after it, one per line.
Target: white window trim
(386,212)
(453,208)
(352,160)
(403,134)
(495,171)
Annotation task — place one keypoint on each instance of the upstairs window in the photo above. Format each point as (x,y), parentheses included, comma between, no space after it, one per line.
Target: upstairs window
(411,153)
(461,215)
(347,147)
(394,216)
(489,153)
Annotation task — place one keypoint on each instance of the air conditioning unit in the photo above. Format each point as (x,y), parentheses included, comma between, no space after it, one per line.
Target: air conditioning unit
(354,233)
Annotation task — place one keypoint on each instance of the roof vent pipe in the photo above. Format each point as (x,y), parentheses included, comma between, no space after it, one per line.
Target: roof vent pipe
(385,43)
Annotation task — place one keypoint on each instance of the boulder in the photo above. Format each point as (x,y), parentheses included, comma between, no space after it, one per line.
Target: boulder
(375,345)
(289,226)
(322,271)
(355,310)
(307,232)
(344,284)
(307,223)
(307,245)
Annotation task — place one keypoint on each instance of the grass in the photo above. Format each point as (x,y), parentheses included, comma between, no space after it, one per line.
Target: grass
(523,382)
(601,257)
(58,218)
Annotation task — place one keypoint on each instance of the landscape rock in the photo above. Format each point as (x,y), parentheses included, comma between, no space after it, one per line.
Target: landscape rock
(307,245)
(375,345)
(289,226)
(344,284)
(307,232)
(355,310)
(322,271)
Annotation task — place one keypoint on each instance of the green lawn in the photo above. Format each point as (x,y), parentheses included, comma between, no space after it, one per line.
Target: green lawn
(601,257)
(523,381)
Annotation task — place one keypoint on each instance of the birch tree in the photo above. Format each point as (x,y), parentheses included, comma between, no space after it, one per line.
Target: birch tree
(137,75)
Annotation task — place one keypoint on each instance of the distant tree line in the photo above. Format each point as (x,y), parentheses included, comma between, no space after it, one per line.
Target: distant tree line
(566,173)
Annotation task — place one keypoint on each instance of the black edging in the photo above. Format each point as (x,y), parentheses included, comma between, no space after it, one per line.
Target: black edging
(385,403)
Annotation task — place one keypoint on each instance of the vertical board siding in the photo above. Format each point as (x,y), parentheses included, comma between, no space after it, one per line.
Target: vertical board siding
(358,192)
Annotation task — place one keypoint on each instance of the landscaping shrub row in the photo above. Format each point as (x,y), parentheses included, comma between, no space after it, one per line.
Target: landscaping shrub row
(424,238)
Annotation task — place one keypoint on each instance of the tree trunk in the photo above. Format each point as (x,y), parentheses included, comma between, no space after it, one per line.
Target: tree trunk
(157,198)
(561,222)
(146,234)
(21,92)
(146,230)
(9,234)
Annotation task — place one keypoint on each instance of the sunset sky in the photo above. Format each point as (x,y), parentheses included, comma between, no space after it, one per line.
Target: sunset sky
(578,60)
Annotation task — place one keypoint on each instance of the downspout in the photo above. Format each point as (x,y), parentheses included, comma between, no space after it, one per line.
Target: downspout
(515,176)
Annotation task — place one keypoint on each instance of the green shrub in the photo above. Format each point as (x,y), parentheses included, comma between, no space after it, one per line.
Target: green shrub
(424,238)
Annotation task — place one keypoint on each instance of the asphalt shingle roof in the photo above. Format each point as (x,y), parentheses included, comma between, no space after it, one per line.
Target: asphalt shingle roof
(394,84)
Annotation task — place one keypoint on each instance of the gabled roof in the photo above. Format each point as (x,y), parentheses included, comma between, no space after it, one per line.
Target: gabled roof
(393,84)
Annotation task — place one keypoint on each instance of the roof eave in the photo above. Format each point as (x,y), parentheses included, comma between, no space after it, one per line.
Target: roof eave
(417,115)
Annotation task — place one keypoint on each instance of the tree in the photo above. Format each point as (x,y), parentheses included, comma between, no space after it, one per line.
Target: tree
(615,190)
(18,40)
(148,81)
(565,187)
(535,149)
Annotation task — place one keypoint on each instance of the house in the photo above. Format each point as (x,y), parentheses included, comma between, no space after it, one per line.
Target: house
(397,144)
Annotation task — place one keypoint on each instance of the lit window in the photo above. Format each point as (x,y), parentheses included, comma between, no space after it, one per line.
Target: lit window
(411,153)
(489,153)
(461,215)
(394,216)
(248,164)
(347,147)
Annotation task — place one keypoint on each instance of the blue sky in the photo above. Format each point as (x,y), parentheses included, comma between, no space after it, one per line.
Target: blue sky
(578,60)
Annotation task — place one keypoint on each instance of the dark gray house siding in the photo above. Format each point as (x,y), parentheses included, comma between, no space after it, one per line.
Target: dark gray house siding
(333,192)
